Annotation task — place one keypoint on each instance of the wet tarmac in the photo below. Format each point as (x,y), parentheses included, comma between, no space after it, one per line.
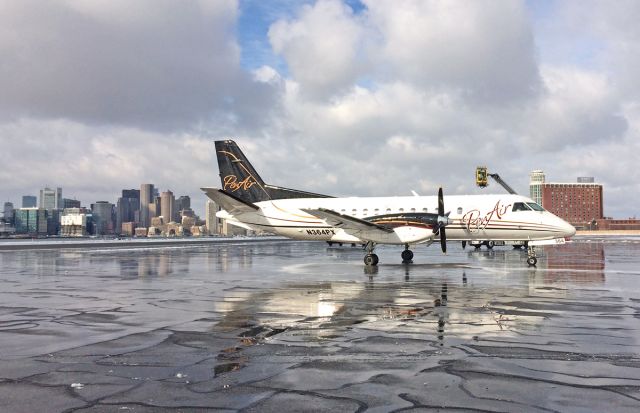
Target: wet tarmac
(298,326)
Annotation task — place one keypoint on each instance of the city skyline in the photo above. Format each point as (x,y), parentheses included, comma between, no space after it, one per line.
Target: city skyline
(85,204)
(347,98)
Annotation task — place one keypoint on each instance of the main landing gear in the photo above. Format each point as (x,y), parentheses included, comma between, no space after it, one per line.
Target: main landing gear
(407,255)
(370,259)
(532,259)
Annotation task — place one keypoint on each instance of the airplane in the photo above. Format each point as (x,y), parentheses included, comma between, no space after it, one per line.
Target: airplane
(248,202)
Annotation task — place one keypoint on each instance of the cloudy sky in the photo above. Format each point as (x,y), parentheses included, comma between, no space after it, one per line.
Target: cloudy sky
(371,97)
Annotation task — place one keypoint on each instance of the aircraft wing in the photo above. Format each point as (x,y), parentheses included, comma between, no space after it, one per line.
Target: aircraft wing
(228,202)
(351,225)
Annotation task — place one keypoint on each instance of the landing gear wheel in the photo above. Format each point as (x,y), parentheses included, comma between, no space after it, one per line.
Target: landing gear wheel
(407,256)
(532,261)
(371,259)
(490,245)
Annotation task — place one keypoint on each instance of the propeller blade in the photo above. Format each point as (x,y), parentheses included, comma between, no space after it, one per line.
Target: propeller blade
(464,244)
(443,240)
(440,202)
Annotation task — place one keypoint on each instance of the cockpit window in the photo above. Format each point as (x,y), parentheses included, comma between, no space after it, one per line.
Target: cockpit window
(520,206)
(535,206)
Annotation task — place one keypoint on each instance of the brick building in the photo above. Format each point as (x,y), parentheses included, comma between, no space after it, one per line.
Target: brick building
(580,203)
(577,203)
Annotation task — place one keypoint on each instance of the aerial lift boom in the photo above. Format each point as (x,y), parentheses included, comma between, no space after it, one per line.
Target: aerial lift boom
(482,180)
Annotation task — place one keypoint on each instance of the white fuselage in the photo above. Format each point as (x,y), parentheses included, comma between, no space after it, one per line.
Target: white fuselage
(472,217)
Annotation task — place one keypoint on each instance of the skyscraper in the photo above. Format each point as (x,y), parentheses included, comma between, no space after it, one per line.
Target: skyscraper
(8,212)
(126,208)
(213,226)
(184,202)
(146,198)
(29,201)
(26,221)
(168,206)
(51,198)
(102,212)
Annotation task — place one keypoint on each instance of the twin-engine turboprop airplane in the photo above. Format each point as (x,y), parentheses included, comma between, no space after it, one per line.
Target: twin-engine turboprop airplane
(249,202)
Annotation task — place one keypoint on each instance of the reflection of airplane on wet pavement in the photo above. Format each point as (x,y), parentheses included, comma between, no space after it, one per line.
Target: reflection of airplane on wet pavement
(249,202)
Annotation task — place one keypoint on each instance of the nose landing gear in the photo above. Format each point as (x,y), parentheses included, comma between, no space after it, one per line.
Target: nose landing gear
(532,259)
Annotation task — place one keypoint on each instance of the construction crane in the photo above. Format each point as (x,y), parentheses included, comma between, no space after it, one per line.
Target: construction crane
(482,179)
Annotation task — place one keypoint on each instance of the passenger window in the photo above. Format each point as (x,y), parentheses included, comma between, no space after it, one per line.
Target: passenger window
(459,210)
(520,206)
(388,210)
(425,210)
(413,210)
(401,209)
(535,206)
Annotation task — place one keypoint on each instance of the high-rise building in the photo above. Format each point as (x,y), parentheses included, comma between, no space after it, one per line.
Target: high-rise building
(51,198)
(70,203)
(34,221)
(146,199)
(26,221)
(536,179)
(212,221)
(126,208)
(8,212)
(102,212)
(168,206)
(73,222)
(184,202)
(155,207)
(53,221)
(29,201)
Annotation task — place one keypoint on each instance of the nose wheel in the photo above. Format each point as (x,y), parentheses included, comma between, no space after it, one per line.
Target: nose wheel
(532,259)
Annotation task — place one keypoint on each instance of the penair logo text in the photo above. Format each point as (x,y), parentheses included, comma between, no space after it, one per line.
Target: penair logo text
(321,232)
(231,183)
(475,221)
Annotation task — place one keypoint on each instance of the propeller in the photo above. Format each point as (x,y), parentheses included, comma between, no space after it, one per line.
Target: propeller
(443,221)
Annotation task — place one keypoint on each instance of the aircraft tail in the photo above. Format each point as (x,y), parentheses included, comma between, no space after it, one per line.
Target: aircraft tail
(237,175)
(239,178)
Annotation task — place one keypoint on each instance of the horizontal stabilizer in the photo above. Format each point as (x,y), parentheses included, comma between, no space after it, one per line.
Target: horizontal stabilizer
(228,202)
(351,225)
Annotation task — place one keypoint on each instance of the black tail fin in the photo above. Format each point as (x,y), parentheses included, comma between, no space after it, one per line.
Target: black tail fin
(238,177)
(237,174)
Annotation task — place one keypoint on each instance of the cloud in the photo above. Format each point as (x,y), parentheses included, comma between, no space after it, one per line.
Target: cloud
(321,47)
(155,64)
(484,50)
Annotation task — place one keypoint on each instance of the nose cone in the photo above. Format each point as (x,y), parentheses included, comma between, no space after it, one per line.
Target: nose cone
(568,230)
